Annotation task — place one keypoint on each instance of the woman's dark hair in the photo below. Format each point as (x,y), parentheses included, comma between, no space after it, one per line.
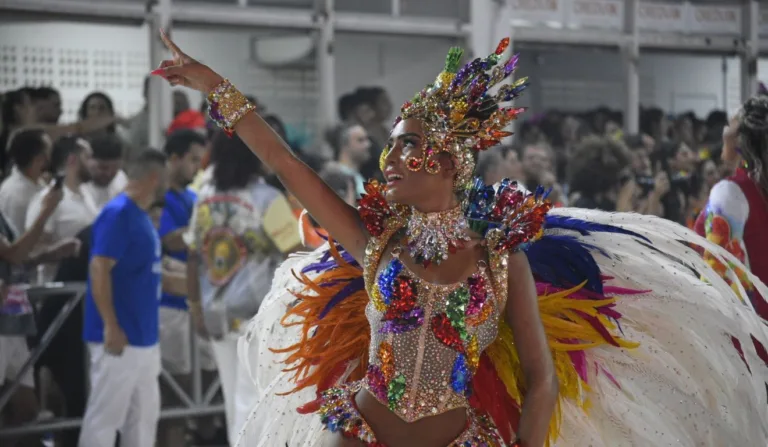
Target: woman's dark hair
(596,165)
(753,139)
(234,165)
(83,110)
(84,105)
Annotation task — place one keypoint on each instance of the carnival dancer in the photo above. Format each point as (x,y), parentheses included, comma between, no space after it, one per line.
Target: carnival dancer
(459,314)
(737,208)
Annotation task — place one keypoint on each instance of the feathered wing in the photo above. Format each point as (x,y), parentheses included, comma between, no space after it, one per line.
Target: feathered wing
(643,348)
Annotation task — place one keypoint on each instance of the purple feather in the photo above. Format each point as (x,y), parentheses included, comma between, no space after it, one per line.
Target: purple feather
(355,285)
(327,263)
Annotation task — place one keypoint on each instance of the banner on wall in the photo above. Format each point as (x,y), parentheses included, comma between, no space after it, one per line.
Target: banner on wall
(665,17)
(603,14)
(538,11)
(763,20)
(714,19)
(653,15)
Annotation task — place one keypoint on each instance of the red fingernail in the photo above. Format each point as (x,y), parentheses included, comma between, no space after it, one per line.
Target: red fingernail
(158,72)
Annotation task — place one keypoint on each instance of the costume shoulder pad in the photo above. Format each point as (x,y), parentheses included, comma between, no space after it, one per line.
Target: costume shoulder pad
(506,215)
(375,212)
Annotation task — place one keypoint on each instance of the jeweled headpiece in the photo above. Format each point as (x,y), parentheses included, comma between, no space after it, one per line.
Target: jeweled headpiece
(459,113)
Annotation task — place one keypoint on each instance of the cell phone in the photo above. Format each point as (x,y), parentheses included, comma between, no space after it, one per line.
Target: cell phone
(58,181)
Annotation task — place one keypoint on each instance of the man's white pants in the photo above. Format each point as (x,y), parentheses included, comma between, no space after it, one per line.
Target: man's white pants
(239,390)
(124,397)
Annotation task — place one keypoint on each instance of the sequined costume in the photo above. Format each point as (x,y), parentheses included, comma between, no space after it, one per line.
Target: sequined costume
(642,346)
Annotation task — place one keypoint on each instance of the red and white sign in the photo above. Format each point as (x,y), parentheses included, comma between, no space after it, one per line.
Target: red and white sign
(606,14)
(714,19)
(538,11)
(661,16)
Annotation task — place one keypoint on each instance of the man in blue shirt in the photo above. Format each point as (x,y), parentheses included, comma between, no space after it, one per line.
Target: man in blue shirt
(184,149)
(120,321)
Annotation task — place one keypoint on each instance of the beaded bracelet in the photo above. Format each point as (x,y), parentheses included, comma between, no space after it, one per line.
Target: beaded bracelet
(228,106)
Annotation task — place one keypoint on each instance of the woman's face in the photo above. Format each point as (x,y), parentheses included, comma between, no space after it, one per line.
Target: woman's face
(416,188)
(685,129)
(684,160)
(641,162)
(97,107)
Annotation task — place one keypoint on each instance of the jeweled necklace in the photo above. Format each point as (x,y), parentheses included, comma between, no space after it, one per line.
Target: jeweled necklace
(432,236)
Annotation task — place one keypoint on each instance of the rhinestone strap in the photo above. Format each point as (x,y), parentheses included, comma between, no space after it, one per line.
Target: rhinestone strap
(228,106)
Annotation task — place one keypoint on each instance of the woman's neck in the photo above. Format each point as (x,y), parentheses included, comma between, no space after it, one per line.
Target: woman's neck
(437,206)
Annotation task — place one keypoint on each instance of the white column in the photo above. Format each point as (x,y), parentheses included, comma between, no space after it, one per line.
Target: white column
(395,8)
(750,20)
(631,53)
(326,114)
(160,104)
(489,23)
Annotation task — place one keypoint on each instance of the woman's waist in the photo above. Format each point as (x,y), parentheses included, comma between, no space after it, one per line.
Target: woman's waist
(425,429)
(412,400)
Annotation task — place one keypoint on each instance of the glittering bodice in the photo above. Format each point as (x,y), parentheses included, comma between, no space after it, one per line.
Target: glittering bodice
(426,339)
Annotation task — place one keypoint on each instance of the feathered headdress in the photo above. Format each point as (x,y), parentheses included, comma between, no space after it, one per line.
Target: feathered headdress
(459,113)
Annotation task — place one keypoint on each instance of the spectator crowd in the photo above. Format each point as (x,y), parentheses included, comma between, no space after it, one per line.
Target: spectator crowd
(192,233)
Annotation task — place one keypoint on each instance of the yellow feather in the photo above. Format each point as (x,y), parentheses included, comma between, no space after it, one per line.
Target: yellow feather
(566,331)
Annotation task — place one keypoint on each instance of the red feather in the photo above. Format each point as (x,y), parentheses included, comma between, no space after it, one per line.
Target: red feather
(490,397)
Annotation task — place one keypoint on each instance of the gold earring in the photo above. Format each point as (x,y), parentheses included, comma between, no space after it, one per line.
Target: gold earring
(383,158)
(432,166)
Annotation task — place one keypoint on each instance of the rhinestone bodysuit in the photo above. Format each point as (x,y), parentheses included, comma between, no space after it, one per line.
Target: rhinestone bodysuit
(426,339)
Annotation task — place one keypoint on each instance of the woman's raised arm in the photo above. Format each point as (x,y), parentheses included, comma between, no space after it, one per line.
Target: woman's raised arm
(326,207)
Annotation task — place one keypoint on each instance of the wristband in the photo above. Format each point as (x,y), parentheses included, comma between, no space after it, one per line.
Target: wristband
(228,106)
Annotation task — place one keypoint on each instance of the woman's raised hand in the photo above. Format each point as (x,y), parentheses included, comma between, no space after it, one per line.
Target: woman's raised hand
(185,71)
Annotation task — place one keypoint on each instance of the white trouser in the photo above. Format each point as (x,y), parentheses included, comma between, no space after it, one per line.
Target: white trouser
(175,343)
(124,397)
(239,390)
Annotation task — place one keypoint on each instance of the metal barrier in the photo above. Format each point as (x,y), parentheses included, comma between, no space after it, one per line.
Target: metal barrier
(198,404)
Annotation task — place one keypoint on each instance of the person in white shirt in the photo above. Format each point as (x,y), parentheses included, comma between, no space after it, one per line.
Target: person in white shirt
(30,150)
(352,150)
(71,158)
(107,176)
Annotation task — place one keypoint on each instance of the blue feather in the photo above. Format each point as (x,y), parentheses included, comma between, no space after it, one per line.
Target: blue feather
(564,261)
(584,227)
